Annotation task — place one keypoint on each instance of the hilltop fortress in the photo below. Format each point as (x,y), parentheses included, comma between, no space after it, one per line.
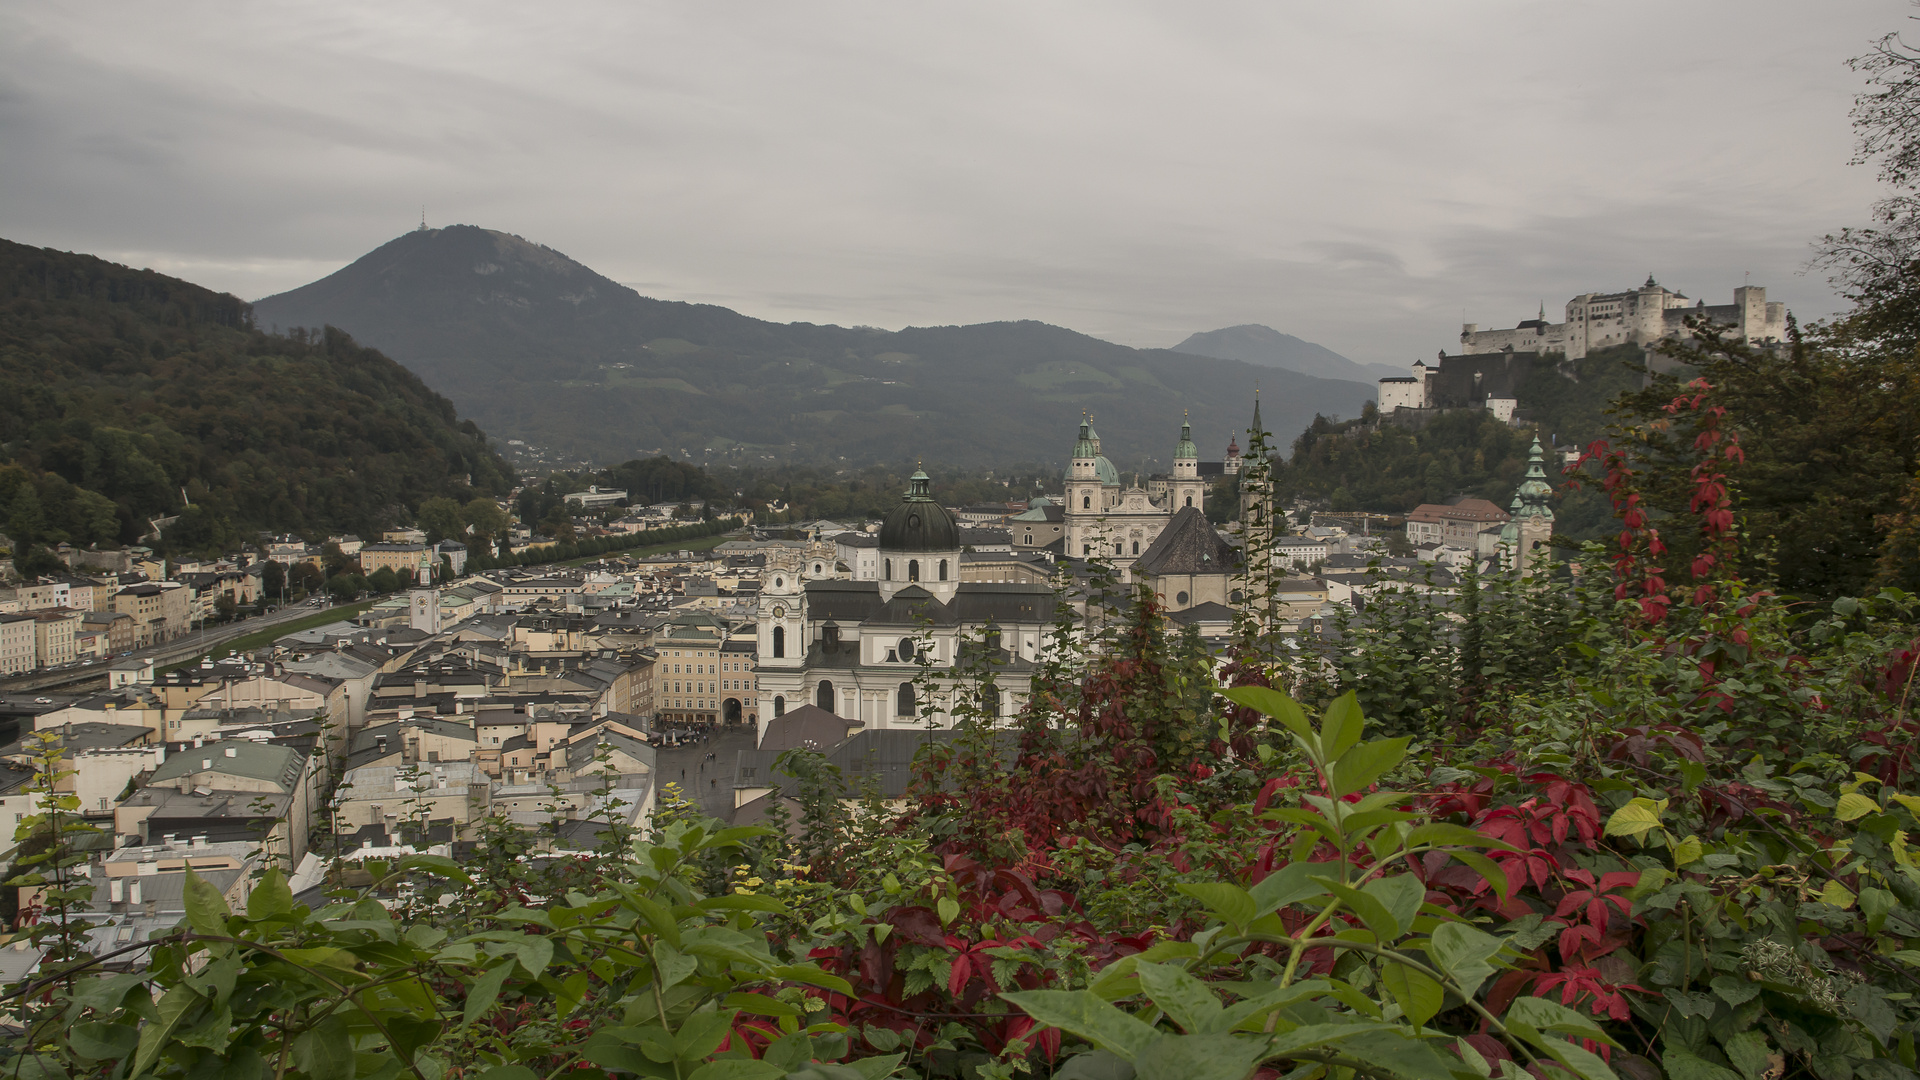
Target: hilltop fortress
(1646,315)
(1492,364)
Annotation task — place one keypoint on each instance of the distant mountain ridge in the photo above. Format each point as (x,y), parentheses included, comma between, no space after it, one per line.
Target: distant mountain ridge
(536,346)
(1267,347)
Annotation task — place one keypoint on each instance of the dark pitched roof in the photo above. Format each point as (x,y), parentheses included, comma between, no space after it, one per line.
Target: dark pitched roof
(846,602)
(913,606)
(808,725)
(1188,545)
(1208,612)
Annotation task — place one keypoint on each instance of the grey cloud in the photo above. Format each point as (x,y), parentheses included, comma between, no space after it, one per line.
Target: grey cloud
(1354,174)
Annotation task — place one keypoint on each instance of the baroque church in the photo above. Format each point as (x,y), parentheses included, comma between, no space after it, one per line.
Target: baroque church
(1103,518)
(854,648)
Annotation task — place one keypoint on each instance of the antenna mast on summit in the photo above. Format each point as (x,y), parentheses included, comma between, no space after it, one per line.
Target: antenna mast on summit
(423,217)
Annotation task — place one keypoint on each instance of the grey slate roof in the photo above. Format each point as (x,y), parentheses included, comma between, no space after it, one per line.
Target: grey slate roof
(1188,545)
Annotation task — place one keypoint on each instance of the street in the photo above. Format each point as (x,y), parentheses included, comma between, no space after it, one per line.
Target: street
(709,783)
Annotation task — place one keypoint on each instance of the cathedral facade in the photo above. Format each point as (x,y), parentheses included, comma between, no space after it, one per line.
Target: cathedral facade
(1105,518)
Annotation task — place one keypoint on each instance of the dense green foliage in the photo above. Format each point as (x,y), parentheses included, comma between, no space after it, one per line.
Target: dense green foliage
(127,396)
(536,346)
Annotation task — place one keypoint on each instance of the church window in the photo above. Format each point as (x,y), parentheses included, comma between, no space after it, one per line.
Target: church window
(816,568)
(1086,549)
(1189,500)
(1180,598)
(903,700)
(779,705)
(943,569)
(913,569)
(1119,548)
(905,650)
(778,584)
(990,700)
(1086,502)
(779,644)
(889,569)
(1029,539)
(1136,547)
(823,695)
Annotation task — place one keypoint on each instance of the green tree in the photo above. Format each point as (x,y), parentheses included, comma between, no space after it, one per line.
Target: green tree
(485,521)
(26,522)
(440,517)
(383,580)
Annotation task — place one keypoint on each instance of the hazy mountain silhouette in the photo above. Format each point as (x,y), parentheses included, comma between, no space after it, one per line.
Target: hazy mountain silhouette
(536,346)
(1267,347)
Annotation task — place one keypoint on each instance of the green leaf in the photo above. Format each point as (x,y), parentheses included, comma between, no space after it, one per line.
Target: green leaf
(1750,1054)
(672,966)
(1231,902)
(1682,1064)
(1198,1057)
(1363,764)
(1544,1015)
(878,1068)
(1855,805)
(156,1033)
(508,1072)
(1486,868)
(762,1005)
(740,902)
(206,908)
(323,1051)
(1088,1015)
(271,897)
(1735,991)
(1095,1065)
(1401,895)
(103,1042)
(1186,1000)
(1290,884)
(1276,705)
(700,1034)
(1370,910)
(1463,953)
(1340,726)
(948,909)
(812,976)
(1639,816)
(484,992)
(1395,1051)
(1876,905)
(1419,996)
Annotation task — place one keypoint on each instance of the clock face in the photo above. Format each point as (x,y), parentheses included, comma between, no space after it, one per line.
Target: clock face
(779,612)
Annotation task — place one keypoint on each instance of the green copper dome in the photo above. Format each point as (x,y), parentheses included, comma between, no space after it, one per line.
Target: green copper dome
(1535,493)
(1089,443)
(1186,449)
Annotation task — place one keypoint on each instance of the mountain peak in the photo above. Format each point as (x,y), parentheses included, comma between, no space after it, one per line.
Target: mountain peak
(1254,343)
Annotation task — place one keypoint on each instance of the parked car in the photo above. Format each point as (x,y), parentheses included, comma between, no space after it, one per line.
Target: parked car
(43,701)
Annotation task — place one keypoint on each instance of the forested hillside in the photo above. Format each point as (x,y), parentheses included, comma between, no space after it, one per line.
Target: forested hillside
(1365,464)
(126,395)
(539,347)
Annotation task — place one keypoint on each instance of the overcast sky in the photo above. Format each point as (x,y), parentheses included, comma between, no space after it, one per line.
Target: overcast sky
(1360,175)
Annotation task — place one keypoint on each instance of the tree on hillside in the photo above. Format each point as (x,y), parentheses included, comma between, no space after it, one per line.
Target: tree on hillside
(439,517)
(485,522)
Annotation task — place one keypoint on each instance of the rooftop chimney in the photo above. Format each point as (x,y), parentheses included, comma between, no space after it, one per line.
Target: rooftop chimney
(231,752)
(133,891)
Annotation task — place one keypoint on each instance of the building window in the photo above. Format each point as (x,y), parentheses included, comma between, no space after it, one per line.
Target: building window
(1086,502)
(889,569)
(779,644)
(990,700)
(943,569)
(1136,547)
(1086,549)
(823,695)
(779,705)
(913,569)
(903,700)
(905,650)
(1180,598)
(1189,500)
